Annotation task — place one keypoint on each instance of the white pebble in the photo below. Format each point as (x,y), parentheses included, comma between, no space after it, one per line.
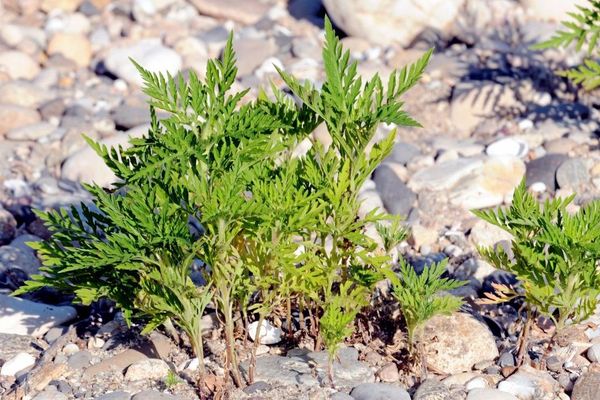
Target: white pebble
(18,363)
(70,349)
(476,383)
(593,353)
(269,334)
(538,187)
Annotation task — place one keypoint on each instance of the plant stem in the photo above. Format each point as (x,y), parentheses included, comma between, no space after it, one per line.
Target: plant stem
(230,345)
(255,345)
(523,339)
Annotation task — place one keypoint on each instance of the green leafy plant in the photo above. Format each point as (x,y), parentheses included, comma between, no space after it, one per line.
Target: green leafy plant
(554,256)
(172,380)
(422,296)
(215,185)
(582,29)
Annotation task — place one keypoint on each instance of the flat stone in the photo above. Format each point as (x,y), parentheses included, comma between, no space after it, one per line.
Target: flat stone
(490,185)
(24,317)
(80,360)
(508,147)
(126,116)
(489,394)
(153,395)
(397,198)
(593,353)
(443,175)
(572,173)
(13,257)
(252,52)
(432,390)
(31,132)
(529,383)
(543,170)
(379,391)
(151,368)
(586,387)
(244,11)
(560,145)
(14,344)
(485,234)
(73,46)
(51,393)
(23,93)
(455,343)
(16,364)
(115,396)
(18,65)
(13,116)
(149,53)
(403,153)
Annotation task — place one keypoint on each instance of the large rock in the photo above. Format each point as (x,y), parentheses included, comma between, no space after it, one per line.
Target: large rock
(23,317)
(149,53)
(544,169)
(86,166)
(586,387)
(397,198)
(392,21)
(454,343)
(551,10)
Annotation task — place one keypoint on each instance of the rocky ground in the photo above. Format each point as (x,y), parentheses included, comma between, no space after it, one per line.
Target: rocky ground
(493,111)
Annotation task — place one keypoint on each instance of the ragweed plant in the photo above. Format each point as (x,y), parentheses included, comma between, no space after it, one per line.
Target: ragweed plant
(582,30)
(554,255)
(216,181)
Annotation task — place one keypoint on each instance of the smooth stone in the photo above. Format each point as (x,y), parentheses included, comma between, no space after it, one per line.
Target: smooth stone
(397,198)
(115,396)
(572,173)
(8,228)
(252,52)
(23,93)
(12,117)
(560,145)
(51,393)
(379,391)
(341,396)
(151,368)
(244,11)
(455,343)
(490,185)
(16,364)
(269,334)
(73,46)
(476,383)
(586,386)
(86,166)
(385,22)
(489,394)
(31,132)
(403,153)
(389,373)
(153,395)
(14,344)
(443,175)
(14,257)
(550,10)
(24,317)
(257,387)
(432,389)
(528,383)
(369,201)
(508,147)
(543,170)
(485,234)
(80,360)
(126,116)
(18,65)
(593,353)
(62,5)
(149,53)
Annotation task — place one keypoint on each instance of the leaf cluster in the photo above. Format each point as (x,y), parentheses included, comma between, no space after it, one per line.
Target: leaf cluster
(554,254)
(214,188)
(583,30)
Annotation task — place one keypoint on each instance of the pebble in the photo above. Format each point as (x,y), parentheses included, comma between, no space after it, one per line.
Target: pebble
(379,391)
(13,116)
(476,383)
(443,175)
(150,53)
(431,389)
(543,170)
(245,11)
(397,198)
(153,395)
(489,394)
(23,93)
(29,318)
(62,5)
(389,373)
(119,395)
(8,229)
(31,132)
(150,368)
(528,383)
(508,147)
(14,257)
(18,65)
(80,360)
(572,173)
(586,387)
(51,393)
(593,353)
(455,343)
(16,364)
(252,52)
(269,334)
(70,349)
(74,46)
